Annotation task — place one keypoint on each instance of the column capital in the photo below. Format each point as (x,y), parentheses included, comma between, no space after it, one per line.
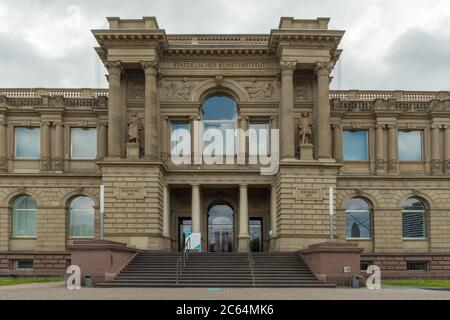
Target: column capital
(337,126)
(392,126)
(115,68)
(243,185)
(288,67)
(150,67)
(380,126)
(323,69)
(244,118)
(195,185)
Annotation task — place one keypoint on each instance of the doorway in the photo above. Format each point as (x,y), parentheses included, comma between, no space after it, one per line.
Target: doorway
(184,230)
(220,228)
(256,234)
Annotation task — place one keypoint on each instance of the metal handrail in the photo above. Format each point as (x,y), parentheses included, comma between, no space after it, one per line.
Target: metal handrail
(181,261)
(251,263)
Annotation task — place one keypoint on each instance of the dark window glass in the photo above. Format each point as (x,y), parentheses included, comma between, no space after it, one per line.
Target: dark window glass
(358,219)
(417,266)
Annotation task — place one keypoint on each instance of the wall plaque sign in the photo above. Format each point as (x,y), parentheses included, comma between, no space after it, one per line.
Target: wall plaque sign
(130,193)
(309,194)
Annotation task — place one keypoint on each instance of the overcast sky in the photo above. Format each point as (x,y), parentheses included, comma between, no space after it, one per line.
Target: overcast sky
(389,44)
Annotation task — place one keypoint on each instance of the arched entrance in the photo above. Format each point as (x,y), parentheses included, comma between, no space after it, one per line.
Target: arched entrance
(220,228)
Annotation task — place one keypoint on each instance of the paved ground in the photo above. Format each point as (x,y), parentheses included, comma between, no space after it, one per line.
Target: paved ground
(59,292)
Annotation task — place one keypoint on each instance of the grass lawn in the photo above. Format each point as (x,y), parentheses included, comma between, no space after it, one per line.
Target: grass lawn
(14,281)
(418,283)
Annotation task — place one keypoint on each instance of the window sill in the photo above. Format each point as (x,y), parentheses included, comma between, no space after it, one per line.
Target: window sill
(414,239)
(81,238)
(358,239)
(23,238)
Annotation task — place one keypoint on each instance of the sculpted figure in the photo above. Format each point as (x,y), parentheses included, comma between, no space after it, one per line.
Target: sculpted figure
(134,126)
(304,128)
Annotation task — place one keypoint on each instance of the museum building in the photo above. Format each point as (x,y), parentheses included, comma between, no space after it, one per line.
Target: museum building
(386,154)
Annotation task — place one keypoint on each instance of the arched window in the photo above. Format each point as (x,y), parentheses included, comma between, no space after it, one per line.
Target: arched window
(81,211)
(219,125)
(24,214)
(358,215)
(414,218)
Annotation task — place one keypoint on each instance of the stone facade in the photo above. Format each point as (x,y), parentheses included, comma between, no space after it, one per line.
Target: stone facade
(157,80)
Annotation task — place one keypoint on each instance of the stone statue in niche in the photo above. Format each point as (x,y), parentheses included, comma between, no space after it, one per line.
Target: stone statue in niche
(134,128)
(304,129)
(264,91)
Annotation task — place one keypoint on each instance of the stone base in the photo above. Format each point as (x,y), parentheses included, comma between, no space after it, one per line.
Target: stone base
(132,151)
(306,152)
(243,244)
(327,261)
(100,259)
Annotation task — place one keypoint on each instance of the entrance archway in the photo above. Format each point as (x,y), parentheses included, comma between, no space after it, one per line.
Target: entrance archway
(220,228)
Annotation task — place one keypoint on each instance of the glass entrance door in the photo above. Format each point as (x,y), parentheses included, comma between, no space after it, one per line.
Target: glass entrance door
(220,228)
(184,229)
(256,234)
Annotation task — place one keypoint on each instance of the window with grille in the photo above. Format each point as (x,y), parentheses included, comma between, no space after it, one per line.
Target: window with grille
(414,219)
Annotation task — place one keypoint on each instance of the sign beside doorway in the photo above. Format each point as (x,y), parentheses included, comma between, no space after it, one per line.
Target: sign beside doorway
(194,242)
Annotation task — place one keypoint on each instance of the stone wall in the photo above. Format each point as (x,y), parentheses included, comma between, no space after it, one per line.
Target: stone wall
(134,204)
(44,263)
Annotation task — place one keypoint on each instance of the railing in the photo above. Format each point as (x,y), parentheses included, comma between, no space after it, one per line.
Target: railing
(67,93)
(251,263)
(181,262)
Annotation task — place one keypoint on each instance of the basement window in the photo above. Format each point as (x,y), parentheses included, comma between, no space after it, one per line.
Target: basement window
(417,266)
(24,265)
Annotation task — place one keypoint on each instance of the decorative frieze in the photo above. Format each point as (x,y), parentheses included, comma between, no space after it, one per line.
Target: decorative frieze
(177,89)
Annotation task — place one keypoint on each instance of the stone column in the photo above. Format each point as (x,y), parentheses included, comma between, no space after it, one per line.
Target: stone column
(166,212)
(151,114)
(436,164)
(243,146)
(102,139)
(287,109)
(3,146)
(243,219)
(393,151)
(114,110)
(165,137)
(273,211)
(45,147)
(59,148)
(322,112)
(447,148)
(196,216)
(337,134)
(379,148)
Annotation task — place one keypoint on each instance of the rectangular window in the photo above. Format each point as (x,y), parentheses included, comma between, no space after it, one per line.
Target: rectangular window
(410,145)
(355,145)
(417,266)
(84,143)
(259,139)
(28,143)
(180,139)
(24,265)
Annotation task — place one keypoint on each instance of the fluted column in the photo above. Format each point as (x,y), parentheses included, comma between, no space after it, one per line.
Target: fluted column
(3,146)
(379,148)
(322,112)
(393,149)
(114,109)
(436,165)
(102,141)
(243,219)
(337,134)
(151,110)
(59,147)
(447,148)
(166,211)
(196,216)
(287,109)
(45,146)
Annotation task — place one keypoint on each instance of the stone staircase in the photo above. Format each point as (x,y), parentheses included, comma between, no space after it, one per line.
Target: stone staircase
(217,270)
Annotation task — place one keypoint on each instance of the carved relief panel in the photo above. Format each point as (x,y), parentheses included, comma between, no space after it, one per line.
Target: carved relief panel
(261,89)
(303,90)
(177,89)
